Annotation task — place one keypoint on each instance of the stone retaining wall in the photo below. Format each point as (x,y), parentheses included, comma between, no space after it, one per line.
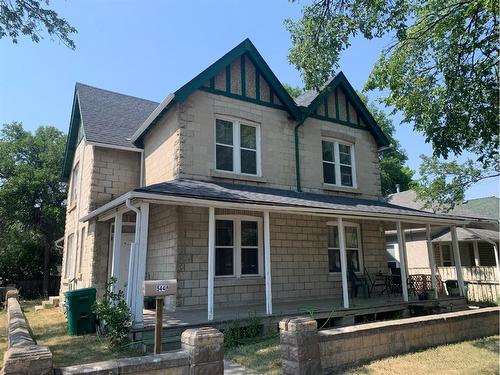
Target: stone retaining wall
(344,347)
(24,356)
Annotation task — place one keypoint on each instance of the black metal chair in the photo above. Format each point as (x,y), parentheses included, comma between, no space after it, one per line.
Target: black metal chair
(357,281)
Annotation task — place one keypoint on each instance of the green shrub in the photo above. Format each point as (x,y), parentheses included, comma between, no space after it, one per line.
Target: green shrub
(113,311)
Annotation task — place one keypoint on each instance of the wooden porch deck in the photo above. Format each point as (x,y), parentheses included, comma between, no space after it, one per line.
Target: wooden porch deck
(184,318)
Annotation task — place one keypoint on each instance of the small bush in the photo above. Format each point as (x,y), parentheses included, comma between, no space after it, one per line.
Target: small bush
(113,311)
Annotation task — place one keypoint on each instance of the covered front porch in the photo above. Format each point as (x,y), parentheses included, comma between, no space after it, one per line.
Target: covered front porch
(237,250)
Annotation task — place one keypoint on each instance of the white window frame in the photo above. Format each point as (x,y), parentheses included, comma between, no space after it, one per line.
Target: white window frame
(237,219)
(237,145)
(70,270)
(74,184)
(337,164)
(359,249)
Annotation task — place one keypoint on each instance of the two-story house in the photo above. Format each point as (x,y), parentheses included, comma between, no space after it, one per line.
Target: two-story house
(242,194)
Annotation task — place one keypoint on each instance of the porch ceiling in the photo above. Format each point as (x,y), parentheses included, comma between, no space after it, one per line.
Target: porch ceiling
(228,195)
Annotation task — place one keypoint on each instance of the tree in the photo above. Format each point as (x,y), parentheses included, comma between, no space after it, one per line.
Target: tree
(294,91)
(29,17)
(441,69)
(443,184)
(32,200)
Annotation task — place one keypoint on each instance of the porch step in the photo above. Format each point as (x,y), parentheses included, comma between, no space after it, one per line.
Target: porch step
(55,300)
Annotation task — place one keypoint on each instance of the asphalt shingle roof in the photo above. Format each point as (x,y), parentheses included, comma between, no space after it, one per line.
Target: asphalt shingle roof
(464,235)
(109,117)
(228,192)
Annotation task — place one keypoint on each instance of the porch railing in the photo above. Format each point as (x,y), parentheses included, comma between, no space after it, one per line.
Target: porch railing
(483,282)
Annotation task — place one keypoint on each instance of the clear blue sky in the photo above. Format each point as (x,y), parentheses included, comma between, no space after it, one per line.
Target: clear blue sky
(150,48)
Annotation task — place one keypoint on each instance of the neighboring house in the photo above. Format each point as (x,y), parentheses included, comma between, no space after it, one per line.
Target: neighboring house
(240,193)
(477,249)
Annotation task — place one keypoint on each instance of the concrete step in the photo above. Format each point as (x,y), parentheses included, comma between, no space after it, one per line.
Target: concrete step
(55,300)
(39,307)
(47,304)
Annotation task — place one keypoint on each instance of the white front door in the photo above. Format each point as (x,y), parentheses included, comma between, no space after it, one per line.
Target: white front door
(127,239)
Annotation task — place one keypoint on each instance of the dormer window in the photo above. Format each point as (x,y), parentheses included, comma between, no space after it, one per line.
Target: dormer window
(237,146)
(338,163)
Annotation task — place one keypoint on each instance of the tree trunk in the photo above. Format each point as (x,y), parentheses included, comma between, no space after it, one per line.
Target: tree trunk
(46,260)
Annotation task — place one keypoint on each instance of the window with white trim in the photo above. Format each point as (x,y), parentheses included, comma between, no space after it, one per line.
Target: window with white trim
(237,147)
(339,168)
(238,246)
(70,257)
(74,183)
(353,247)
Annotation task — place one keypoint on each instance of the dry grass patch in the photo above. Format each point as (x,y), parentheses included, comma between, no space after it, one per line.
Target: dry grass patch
(470,357)
(3,334)
(49,328)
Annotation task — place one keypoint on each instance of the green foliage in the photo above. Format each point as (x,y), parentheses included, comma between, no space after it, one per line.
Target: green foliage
(113,311)
(294,91)
(28,17)
(443,184)
(32,201)
(441,70)
(235,334)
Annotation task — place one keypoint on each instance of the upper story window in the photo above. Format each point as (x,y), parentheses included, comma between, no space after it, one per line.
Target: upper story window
(70,257)
(353,247)
(238,246)
(338,163)
(74,184)
(237,147)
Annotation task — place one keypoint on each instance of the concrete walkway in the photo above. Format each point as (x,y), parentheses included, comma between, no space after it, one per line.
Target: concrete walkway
(231,368)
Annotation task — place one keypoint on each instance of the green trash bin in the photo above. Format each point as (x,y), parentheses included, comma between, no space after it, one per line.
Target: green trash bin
(80,317)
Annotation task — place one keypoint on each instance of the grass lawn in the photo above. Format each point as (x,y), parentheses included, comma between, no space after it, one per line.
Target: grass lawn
(49,328)
(3,334)
(471,357)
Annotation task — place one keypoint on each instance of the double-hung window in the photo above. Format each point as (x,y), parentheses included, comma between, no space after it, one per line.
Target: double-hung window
(237,147)
(238,246)
(352,244)
(338,163)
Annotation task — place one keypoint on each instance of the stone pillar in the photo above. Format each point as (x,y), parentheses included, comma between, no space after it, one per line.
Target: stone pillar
(299,346)
(205,347)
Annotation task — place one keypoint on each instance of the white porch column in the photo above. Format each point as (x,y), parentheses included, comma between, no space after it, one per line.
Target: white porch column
(142,251)
(343,264)
(477,262)
(458,262)
(432,265)
(132,262)
(117,241)
(267,264)
(211,262)
(402,260)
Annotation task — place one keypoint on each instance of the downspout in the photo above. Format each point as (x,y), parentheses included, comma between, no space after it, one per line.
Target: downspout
(297,152)
(141,174)
(132,264)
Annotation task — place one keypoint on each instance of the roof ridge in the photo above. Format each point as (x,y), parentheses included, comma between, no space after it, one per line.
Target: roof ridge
(116,93)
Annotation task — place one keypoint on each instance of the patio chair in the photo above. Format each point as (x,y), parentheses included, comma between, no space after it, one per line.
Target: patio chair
(357,281)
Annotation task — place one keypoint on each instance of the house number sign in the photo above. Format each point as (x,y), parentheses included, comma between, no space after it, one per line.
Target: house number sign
(159,288)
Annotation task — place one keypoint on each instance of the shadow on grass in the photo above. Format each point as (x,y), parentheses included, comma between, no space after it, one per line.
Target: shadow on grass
(488,343)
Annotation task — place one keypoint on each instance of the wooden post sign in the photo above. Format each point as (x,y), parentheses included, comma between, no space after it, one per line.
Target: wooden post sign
(159,289)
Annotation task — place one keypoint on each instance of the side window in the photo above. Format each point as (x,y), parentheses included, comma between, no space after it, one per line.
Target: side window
(237,147)
(338,163)
(75,180)
(70,257)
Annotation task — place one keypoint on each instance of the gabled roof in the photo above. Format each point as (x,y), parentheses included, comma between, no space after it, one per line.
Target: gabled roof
(481,208)
(245,47)
(106,117)
(464,235)
(310,100)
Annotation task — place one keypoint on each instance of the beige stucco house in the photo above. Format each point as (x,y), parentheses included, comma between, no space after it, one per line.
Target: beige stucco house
(242,194)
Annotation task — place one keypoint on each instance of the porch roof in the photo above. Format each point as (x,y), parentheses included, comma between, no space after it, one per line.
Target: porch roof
(229,195)
(466,236)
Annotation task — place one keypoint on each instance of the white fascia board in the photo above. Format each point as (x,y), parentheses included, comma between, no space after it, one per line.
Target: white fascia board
(107,145)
